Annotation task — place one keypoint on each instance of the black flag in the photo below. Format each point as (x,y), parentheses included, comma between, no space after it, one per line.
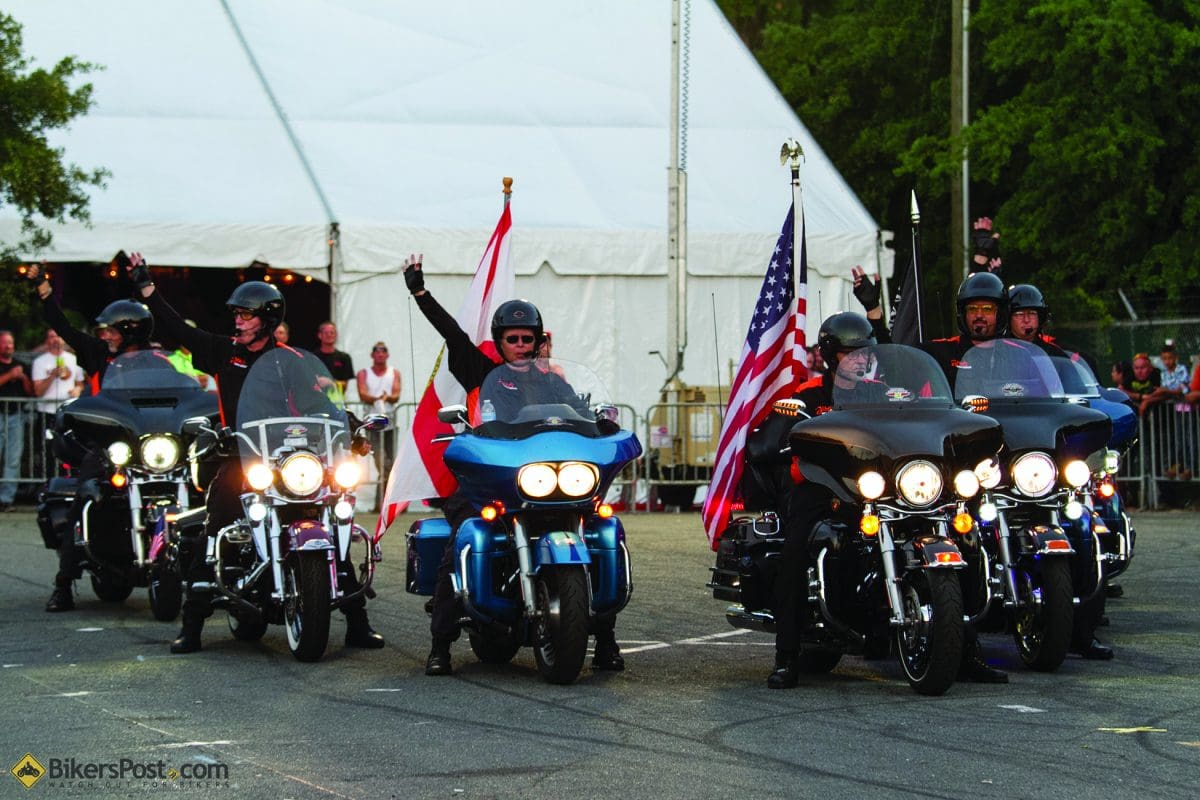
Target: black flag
(908,324)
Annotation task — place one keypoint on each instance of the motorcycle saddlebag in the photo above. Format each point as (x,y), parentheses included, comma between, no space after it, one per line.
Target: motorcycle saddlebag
(54,510)
(425,542)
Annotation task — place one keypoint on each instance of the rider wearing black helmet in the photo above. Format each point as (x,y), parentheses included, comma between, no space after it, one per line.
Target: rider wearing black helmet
(798,502)
(257,309)
(517,333)
(123,326)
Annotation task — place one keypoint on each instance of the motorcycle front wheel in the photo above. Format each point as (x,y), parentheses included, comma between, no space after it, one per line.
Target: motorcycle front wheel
(562,630)
(931,640)
(166,591)
(110,588)
(1044,614)
(306,604)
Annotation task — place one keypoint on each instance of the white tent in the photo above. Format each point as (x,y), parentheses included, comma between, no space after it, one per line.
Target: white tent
(251,129)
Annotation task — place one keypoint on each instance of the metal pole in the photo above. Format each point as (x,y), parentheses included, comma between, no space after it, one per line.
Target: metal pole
(791,151)
(675,310)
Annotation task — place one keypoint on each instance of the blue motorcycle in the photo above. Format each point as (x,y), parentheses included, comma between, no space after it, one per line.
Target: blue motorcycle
(544,557)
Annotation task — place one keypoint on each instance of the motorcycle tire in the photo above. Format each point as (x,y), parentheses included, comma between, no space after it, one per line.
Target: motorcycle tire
(562,597)
(930,643)
(110,588)
(166,592)
(249,628)
(1042,630)
(491,650)
(306,606)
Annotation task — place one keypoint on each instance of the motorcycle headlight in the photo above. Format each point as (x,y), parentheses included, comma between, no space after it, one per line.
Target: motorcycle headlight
(159,453)
(348,474)
(119,453)
(871,485)
(537,480)
(1034,474)
(1112,461)
(576,479)
(259,476)
(988,472)
(1076,473)
(966,484)
(302,474)
(919,482)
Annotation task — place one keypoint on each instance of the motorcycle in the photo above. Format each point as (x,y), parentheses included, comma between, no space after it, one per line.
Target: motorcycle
(900,461)
(279,563)
(544,556)
(1035,524)
(136,422)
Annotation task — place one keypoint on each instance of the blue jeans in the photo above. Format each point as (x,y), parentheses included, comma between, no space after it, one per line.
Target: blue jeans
(12,441)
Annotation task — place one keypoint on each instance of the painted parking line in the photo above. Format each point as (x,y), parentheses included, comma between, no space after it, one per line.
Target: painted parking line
(1025,709)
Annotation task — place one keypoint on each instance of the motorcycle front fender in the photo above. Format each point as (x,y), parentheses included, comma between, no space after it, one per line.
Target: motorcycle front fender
(562,547)
(1049,540)
(309,534)
(935,552)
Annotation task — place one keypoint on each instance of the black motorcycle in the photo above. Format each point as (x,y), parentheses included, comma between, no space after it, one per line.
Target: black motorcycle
(135,424)
(1038,559)
(898,459)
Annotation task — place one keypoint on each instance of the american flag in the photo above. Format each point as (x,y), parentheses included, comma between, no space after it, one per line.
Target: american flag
(771,365)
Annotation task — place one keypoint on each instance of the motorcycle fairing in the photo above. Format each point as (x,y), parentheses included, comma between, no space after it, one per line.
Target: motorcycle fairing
(606,547)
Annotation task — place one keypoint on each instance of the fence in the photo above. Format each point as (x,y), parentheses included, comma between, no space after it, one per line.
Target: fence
(1161,470)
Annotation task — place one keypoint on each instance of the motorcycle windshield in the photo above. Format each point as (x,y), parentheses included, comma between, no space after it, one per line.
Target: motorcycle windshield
(894,376)
(527,397)
(1077,377)
(290,402)
(1008,369)
(145,369)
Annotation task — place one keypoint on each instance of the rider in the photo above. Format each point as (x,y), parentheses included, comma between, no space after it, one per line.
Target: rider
(1028,315)
(800,502)
(258,308)
(123,326)
(517,332)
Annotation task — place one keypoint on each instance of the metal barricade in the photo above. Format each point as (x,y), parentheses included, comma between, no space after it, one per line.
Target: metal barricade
(26,457)
(681,444)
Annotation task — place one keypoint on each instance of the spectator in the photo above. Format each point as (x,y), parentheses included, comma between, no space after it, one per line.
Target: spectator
(339,364)
(181,359)
(985,247)
(14,384)
(56,379)
(282,332)
(379,387)
(546,351)
(1174,377)
(1122,374)
(1145,380)
(815,362)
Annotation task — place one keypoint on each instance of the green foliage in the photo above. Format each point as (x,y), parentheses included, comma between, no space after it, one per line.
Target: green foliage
(34,179)
(1082,142)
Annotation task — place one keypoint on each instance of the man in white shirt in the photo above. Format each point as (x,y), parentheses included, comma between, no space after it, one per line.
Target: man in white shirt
(379,388)
(56,379)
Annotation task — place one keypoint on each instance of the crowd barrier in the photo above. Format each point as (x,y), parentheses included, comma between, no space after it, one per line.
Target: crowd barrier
(1161,469)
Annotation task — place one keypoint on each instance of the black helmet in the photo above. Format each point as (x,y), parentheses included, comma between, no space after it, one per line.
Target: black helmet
(1027,297)
(263,298)
(982,286)
(516,314)
(842,332)
(131,319)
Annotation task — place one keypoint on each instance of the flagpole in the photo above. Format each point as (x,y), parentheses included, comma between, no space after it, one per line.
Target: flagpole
(916,263)
(508,182)
(792,151)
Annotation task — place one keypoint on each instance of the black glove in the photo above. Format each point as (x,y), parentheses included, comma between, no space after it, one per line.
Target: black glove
(414,279)
(360,446)
(867,292)
(985,243)
(140,274)
(34,281)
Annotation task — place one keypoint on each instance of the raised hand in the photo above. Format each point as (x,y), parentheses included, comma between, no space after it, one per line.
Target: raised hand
(865,289)
(414,278)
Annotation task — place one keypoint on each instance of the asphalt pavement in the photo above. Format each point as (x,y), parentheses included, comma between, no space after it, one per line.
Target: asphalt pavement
(94,693)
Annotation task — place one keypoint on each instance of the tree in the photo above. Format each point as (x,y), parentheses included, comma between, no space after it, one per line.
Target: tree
(34,179)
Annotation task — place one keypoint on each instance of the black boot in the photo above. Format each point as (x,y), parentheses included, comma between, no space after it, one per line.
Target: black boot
(787,671)
(61,598)
(1093,650)
(607,655)
(188,640)
(975,670)
(359,632)
(438,662)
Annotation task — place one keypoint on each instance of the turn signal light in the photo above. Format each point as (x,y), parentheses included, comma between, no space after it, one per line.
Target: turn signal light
(1107,490)
(489,513)
(869,525)
(963,523)
(118,480)
(604,511)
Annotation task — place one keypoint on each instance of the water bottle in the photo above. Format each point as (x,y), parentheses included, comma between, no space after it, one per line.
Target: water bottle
(487,412)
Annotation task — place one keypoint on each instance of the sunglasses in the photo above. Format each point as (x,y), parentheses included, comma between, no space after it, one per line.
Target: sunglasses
(515,338)
(244,314)
(982,308)
(379,349)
